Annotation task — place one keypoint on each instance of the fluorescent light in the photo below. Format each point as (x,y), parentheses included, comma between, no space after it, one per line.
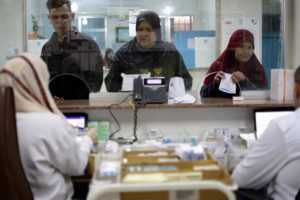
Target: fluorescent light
(168,10)
(74,7)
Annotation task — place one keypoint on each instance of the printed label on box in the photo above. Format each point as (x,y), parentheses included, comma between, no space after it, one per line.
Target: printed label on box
(104,130)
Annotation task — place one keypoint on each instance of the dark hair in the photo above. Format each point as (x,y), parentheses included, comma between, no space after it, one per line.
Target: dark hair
(108,51)
(58,3)
(297,75)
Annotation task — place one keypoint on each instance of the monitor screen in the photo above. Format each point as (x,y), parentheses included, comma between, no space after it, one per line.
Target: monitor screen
(154,81)
(262,117)
(78,120)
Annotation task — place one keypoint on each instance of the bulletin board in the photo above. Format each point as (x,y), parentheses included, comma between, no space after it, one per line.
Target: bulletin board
(195,46)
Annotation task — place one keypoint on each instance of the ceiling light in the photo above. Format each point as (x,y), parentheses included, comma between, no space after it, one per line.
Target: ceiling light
(74,7)
(168,10)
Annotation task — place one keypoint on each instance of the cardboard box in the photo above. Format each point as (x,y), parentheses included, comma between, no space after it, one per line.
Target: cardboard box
(282,84)
(183,171)
(221,175)
(165,195)
(184,168)
(91,163)
(152,156)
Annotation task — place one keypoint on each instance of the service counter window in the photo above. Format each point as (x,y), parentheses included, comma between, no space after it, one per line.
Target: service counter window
(200,30)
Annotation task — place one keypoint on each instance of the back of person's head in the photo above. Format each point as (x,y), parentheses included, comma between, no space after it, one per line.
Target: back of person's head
(238,37)
(153,19)
(297,88)
(58,3)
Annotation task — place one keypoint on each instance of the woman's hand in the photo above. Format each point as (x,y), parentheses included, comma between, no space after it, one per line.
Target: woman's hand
(238,77)
(92,133)
(218,77)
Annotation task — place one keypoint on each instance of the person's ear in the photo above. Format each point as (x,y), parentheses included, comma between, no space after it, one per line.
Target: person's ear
(73,16)
(50,20)
(297,90)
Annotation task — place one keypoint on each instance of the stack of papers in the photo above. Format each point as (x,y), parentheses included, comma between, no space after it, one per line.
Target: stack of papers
(187,98)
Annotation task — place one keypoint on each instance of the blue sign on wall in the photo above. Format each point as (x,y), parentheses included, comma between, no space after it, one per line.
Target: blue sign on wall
(181,42)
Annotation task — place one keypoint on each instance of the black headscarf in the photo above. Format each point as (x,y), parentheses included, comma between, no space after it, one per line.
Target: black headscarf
(153,19)
(132,54)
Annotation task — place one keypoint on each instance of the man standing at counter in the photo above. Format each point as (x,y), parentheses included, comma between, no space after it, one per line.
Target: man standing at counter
(275,159)
(67,42)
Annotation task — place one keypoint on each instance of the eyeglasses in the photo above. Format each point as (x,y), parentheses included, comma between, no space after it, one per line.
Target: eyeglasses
(63,17)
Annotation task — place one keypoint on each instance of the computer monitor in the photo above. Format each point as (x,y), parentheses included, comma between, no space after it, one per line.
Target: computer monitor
(263,116)
(78,120)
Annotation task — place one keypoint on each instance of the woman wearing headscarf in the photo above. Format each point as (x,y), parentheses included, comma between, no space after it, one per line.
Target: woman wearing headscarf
(147,53)
(49,150)
(108,57)
(239,60)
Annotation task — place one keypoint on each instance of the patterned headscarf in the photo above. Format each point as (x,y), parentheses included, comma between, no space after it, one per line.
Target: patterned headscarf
(27,74)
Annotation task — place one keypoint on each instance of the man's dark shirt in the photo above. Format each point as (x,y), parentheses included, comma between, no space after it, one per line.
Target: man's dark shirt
(85,56)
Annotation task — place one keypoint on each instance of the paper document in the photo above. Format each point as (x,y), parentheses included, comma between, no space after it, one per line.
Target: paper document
(226,84)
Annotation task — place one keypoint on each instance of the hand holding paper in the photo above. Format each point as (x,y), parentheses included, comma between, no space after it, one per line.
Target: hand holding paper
(226,84)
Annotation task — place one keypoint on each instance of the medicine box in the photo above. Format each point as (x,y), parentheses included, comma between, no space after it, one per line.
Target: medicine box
(209,169)
(282,84)
(102,127)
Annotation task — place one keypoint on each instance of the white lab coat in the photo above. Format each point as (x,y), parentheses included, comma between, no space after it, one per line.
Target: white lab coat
(275,159)
(50,153)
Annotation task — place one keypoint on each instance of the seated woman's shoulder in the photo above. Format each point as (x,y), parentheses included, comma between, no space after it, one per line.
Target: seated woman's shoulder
(45,119)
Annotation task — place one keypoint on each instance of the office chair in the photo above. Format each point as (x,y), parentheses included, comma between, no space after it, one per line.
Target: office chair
(298,195)
(14,184)
(69,86)
(251,194)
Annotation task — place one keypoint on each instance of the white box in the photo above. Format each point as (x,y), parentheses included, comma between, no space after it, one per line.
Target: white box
(282,84)
(255,94)
(127,84)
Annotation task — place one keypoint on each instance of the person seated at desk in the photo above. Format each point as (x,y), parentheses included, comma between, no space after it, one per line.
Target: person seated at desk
(67,41)
(147,53)
(239,60)
(109,53)
(49,150)
(275,159)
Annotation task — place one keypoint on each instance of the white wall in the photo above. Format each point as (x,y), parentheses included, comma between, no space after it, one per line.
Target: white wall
(11,34)
(112,23)
(295,30)
(180,7)
(243,9)
(189,121)
(33,7)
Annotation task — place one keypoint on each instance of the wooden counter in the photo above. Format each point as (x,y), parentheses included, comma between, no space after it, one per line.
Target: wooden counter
(173,120)
(200,103)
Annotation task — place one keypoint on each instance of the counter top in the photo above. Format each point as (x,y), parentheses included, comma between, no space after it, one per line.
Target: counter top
(113,100)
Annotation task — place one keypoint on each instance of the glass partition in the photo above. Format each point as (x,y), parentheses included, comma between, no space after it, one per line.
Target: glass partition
(199,29)
(11,36)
